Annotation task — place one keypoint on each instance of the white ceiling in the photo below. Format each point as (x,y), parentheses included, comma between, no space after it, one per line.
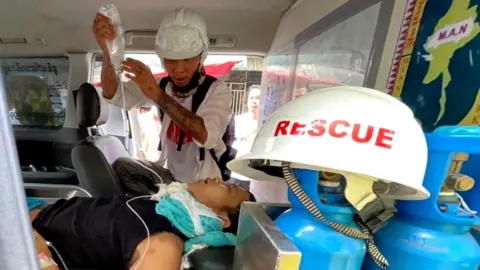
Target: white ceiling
(66,24)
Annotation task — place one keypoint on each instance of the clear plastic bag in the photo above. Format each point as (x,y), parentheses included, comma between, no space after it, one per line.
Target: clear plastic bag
(116,47)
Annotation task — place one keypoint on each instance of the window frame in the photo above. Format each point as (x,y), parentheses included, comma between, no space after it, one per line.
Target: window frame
(335,17)
(345,12)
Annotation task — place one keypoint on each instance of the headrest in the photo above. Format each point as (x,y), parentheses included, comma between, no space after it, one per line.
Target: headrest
(91,108)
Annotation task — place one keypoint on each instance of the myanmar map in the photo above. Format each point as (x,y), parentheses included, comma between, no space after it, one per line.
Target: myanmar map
(443,79)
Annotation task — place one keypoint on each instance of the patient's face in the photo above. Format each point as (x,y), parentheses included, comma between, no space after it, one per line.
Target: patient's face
(218,195)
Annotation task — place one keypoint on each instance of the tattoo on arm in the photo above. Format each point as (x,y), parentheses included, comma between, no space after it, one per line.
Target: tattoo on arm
(108,78)
(185,119)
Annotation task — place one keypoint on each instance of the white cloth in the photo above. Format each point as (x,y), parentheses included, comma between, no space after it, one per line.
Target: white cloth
(150,132)
(185,165)
(195,209)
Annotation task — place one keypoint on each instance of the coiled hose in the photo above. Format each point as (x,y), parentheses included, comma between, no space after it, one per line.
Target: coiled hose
(364,233)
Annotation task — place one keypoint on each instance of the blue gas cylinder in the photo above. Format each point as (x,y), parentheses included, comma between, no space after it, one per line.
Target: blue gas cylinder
(471,168)
(472,197)
(322,248)
(433,233)
(476,234)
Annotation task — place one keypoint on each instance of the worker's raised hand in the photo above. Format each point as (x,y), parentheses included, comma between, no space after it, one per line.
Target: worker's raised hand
(142,75)
(103,30)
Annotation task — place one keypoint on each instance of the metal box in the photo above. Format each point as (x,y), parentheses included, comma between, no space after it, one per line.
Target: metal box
(261,245)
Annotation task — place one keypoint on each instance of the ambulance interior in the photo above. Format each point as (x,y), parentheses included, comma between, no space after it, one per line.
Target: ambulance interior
(293,45)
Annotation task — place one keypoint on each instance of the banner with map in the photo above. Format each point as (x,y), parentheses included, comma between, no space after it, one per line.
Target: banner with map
(436,69)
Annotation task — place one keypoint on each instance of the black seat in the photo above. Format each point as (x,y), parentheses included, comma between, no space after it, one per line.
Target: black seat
(93,156)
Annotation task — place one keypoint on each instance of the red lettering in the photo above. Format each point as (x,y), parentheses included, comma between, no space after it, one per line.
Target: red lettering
(384,138)
(452,33)
(298,129)
(281,128)
(463,29)
(332,130)
(337,129)
(318,128)
(356,134)
(442,35)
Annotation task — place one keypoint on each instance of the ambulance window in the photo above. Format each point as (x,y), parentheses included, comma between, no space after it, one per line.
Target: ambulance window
(338,56)
(36,90)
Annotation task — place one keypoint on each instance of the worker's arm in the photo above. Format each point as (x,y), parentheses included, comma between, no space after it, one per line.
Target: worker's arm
(130,97)
(209,123)
(183,117)
(164,252)
(104,30)
(108,77)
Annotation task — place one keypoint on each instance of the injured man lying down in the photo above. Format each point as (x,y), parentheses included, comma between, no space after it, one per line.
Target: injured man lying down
(107,233)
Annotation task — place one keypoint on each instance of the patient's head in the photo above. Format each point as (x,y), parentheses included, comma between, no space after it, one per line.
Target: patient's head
(223,198)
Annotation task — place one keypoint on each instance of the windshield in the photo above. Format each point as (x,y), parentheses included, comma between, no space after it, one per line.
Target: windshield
(36,90)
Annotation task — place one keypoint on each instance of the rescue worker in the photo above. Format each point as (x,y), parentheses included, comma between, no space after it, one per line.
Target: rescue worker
(182,46)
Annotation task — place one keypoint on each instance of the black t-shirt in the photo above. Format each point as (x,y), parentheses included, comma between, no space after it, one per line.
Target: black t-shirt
(99,233)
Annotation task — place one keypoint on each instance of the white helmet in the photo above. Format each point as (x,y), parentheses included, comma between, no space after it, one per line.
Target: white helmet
(354,131)
(182,35)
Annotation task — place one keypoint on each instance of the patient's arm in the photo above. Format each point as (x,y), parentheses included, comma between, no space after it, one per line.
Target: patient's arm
(165,250)
(42,248)
(40,243)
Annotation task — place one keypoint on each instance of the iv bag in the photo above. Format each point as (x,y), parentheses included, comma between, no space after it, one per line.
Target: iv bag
(116,47)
